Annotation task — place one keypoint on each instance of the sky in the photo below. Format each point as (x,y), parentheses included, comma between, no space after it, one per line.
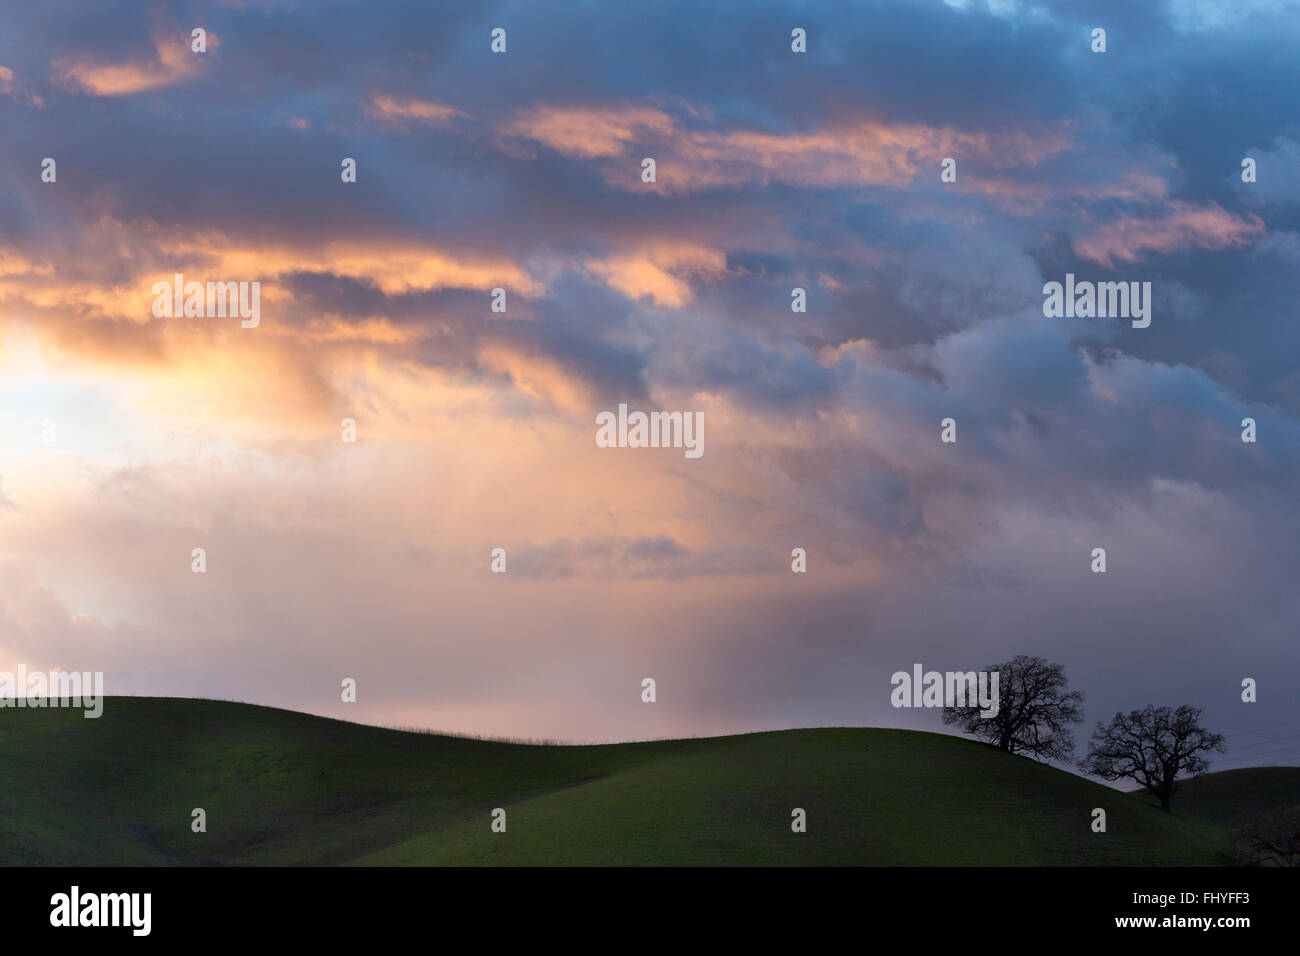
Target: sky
(128,439)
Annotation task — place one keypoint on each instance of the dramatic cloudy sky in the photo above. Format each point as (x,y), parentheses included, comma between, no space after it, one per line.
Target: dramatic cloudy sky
(476,430)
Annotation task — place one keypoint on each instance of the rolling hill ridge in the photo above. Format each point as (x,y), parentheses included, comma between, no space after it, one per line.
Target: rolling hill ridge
(284,788)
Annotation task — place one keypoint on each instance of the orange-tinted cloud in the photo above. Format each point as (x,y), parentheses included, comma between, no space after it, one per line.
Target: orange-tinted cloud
(14,263)
(659,272)
(406,109)
(860,152)
(591,132)
(173,62)
(1181,225)
(11,86)
(540,377)
(395,267)
(93,308)
(1019,197)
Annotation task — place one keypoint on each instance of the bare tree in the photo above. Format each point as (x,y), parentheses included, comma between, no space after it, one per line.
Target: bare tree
(1271,836)
(1036,712)
(1153,747)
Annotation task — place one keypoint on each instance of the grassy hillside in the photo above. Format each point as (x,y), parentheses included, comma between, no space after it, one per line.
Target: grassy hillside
(286,788)
(1223,798)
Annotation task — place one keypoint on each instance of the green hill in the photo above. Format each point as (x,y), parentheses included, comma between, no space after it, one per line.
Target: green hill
(1223,798)
(287,788)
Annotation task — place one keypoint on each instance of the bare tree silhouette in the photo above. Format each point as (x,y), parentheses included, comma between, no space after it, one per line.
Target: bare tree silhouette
(1036,712)
(1153,747)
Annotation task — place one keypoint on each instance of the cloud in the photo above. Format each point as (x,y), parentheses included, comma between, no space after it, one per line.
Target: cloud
(10,86)
(541,377)
(402,109)
(38,630)
(644,557)
(172,63)
(592,132)
(476,430)
(396,266)
(14,263)
(855,152)
(659,273)
(1181,225)
(1204,16)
